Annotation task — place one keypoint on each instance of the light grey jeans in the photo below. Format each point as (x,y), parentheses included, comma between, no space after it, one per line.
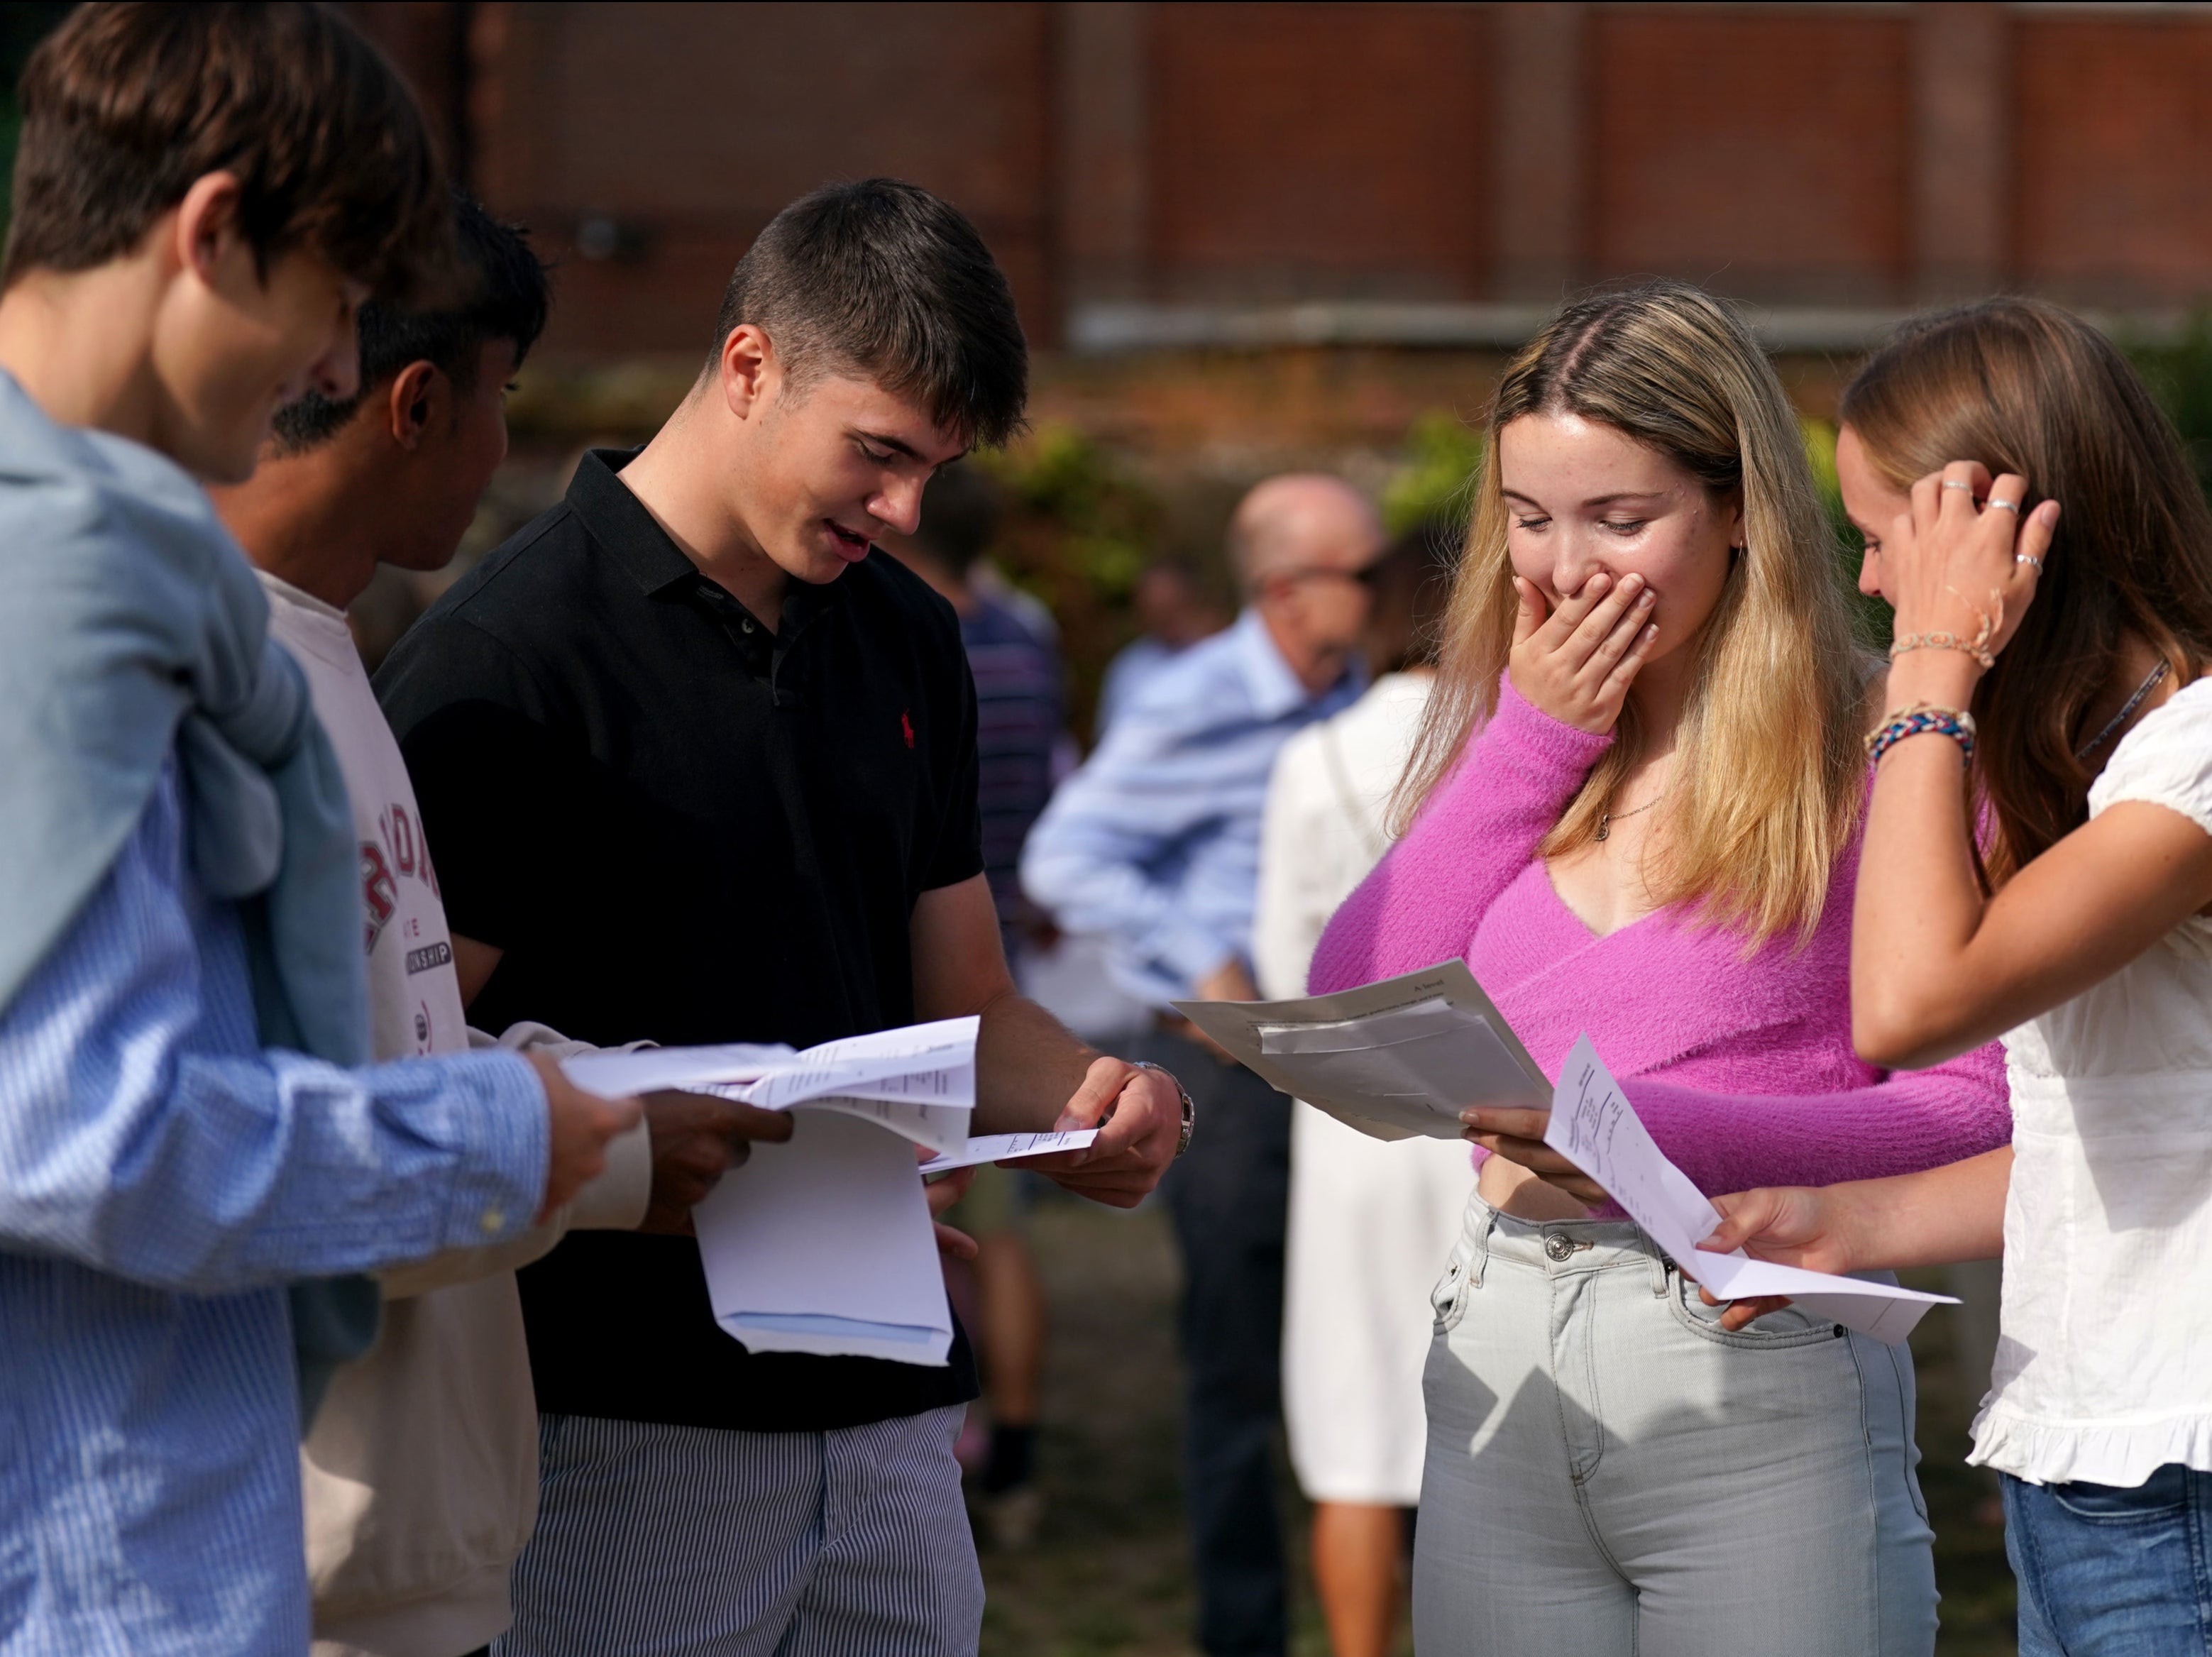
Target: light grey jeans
(1610,1475)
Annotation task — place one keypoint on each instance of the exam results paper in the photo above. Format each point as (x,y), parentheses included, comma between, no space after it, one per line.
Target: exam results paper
(823,1244)
(917,1081)
(1404,1056)
(1594,1127)
(1395,1059)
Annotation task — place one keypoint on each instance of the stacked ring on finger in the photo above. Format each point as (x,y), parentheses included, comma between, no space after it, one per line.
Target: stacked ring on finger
(2028,558)
(2012,507)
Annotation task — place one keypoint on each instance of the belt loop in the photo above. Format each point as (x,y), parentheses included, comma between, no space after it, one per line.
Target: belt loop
(1658,1275)
(1481,1250)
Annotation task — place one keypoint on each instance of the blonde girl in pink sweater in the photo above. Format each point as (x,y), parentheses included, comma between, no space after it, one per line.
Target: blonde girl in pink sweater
(1639,799)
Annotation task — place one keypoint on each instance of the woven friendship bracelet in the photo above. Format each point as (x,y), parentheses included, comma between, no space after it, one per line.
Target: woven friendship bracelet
(1920,721)
(1944,641)
(1977,646)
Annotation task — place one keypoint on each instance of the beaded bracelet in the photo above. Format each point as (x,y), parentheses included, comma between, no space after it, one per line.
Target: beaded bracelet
(1917,720)
(1944,641)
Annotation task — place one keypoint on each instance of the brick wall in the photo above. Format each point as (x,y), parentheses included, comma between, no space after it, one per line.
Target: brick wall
(1872,156)
(1320,149)
(2115,155)
(676,131)
(1763,150)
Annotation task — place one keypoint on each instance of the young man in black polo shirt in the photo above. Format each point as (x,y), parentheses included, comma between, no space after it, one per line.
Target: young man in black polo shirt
(701,768)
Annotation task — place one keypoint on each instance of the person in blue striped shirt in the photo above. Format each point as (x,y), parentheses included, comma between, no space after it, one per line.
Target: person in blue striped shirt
(1174,611)
(1155,844)
(1019,710)
(187,1125)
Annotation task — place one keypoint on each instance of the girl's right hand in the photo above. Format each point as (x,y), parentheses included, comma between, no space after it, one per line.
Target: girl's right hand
(1576,662)
(1791,1225)
(1956,565)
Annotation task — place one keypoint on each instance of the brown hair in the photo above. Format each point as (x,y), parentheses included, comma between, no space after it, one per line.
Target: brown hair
(1769,772)
(883,279)
(126,105)
(2023,386)
(1410,584)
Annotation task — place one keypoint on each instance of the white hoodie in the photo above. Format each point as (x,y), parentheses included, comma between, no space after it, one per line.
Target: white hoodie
(421,1474)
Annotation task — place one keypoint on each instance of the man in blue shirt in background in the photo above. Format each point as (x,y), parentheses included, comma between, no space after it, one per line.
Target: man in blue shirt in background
(1155,844)
(1175,611)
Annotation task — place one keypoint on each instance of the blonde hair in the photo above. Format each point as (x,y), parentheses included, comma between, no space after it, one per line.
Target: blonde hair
(1768,772)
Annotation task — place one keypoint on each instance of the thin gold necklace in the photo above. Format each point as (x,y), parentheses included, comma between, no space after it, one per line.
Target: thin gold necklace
(1605,819)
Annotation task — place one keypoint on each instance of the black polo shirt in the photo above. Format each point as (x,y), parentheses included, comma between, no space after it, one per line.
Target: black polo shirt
(682,828)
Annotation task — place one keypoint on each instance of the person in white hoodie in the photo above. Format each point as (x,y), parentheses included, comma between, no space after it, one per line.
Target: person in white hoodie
(421,1473)
(1370,1224)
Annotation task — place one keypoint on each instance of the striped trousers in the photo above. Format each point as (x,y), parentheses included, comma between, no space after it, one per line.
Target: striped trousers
(653,1540)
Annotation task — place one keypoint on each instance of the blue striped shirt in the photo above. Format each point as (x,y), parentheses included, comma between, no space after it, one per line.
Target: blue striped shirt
(1018,720)
(1155,842)
(160,1178)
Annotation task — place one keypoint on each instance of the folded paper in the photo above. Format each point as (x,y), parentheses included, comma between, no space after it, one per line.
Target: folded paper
(1594,1127)
(1010,1148)
(823,1244)
(1395,1059)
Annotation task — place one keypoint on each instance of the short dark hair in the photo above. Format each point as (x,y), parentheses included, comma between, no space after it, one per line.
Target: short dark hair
(960,513)
(1411,583)
(884,279)
(129,102)
(505,297)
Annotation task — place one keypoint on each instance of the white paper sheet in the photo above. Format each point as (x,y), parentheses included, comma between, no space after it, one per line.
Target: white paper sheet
(917,1081)
(941,1127)
(1010,1147)
(824,1245)
(1395,1059)
(1594,1127)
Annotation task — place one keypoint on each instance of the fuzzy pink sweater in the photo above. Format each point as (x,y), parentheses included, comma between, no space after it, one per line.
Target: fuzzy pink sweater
(1741,1067)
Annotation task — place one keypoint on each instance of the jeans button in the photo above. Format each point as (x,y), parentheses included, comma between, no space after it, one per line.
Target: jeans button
(1558,1246)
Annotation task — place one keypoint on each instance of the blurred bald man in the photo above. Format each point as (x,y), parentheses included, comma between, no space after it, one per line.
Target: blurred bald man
(1155,844)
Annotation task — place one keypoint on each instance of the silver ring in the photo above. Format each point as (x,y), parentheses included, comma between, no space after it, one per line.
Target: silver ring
(2012,507)
(2028,558)
(1948,485)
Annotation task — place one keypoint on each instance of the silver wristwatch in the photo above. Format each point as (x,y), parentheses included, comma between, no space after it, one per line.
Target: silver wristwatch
(1189,1110)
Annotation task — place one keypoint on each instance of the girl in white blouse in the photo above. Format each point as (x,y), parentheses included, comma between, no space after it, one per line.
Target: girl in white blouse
(2052,671)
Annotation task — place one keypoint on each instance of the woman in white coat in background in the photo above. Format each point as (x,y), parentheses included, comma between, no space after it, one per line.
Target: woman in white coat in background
(1371,1223)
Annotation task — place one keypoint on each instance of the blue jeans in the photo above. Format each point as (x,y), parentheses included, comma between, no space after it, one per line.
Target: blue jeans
(2108,1572)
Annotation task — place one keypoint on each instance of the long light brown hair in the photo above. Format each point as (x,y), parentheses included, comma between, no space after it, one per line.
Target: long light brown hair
(2023,386)
(1768,775)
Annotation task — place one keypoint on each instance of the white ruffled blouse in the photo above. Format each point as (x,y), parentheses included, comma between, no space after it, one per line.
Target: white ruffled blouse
(2104,1371)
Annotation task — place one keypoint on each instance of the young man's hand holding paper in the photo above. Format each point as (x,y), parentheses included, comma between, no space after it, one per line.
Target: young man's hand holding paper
(828,1247)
